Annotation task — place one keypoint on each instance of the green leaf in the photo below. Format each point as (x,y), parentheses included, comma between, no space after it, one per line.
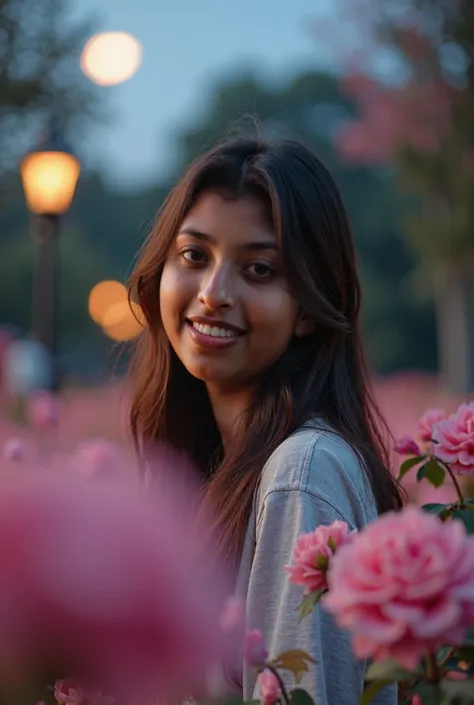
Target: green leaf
(309,602)
(372,689)
(467,518)
(387,670)
(469,502)
(430,694)
(442,510)
(469,638)
(408,465)
(433,472)
(295,661)
(459,690)
(322,561)
(298,696)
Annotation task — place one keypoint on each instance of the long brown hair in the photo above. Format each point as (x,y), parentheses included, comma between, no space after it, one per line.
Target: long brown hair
(323,374)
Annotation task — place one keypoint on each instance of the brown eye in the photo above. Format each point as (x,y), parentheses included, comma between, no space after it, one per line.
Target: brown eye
(260,270)
(193,255)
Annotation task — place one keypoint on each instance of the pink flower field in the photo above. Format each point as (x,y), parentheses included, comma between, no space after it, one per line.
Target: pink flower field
(86,414)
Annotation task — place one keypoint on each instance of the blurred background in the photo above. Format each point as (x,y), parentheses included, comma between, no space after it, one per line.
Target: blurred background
(103,102)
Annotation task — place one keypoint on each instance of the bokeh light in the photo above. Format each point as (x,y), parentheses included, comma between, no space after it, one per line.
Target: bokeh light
(109,307)
(110,58)
(103,296)
(121,322)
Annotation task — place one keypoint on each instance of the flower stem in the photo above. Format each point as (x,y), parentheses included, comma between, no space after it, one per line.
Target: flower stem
(449,655)
(432,668)
(462,502)
(280,681)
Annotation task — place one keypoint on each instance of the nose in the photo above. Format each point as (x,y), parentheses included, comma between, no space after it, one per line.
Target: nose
(215,291)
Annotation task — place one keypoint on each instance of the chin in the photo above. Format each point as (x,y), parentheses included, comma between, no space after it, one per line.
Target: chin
(224,379)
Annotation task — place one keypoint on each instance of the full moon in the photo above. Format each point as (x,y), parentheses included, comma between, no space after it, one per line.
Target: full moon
(110,58)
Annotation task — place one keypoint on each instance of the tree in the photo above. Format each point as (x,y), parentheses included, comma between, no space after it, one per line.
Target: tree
(40,75)
(423,125)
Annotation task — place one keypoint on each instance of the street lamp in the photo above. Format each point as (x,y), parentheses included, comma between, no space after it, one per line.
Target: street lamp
(49,175)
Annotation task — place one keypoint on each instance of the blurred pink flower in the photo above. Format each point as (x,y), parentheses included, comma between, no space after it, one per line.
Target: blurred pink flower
(109,568)
(455,440)
(97,458)
(232,617)
(456,676)
(407,446)
(269,688)
(416,700)
(42,410)
(428,421)
(69,692)
(255,653)
(404,586)
(312,554)
(13,449)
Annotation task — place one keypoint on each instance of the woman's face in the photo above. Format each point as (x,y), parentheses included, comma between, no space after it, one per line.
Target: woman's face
(225,304)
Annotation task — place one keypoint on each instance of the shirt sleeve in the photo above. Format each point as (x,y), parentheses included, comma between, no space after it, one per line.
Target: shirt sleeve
(272,604)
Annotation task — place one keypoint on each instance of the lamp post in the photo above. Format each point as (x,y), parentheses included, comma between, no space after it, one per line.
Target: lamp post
(49,175)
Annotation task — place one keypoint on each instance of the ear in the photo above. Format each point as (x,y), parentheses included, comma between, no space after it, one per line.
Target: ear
(304,325)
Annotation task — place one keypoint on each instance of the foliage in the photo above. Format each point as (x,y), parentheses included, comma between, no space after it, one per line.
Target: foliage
(40,75)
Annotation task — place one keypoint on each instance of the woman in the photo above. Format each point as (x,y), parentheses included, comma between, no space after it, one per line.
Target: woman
(252,365)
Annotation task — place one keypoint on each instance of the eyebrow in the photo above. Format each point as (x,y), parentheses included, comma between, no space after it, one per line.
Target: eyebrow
(263,245)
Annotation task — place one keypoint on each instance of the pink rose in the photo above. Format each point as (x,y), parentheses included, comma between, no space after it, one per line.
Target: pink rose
(107,566)
(455,440)
(97,458)
(428,421)
(312,553)
(269,688)
(404,586)
(13,449)
(43,410)
(407,446)
(255,653)
(69,692)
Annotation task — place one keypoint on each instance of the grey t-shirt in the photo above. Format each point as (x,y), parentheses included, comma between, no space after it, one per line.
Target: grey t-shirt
(314,477)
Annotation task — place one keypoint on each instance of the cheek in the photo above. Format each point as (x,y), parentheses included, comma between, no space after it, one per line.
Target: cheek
(172,293)
(273,315)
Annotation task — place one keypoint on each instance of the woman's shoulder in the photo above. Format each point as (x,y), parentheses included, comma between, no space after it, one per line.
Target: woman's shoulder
(319,462)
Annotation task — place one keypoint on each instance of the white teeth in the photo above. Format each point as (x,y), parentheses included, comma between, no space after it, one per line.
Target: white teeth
(214,332)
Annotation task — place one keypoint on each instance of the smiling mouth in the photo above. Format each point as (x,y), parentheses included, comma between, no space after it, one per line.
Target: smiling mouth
(213,331)
(212,336)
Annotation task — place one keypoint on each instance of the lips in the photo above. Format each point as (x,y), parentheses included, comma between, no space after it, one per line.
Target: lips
(217,336)
(209,326)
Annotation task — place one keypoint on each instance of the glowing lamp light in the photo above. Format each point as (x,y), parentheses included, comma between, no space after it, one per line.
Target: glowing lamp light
(49,175)
(110,58)
(104,296)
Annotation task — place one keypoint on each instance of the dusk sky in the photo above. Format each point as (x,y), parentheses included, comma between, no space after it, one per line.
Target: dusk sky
(187,44)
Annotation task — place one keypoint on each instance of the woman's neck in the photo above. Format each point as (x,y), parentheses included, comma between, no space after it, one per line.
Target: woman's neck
(229,410)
